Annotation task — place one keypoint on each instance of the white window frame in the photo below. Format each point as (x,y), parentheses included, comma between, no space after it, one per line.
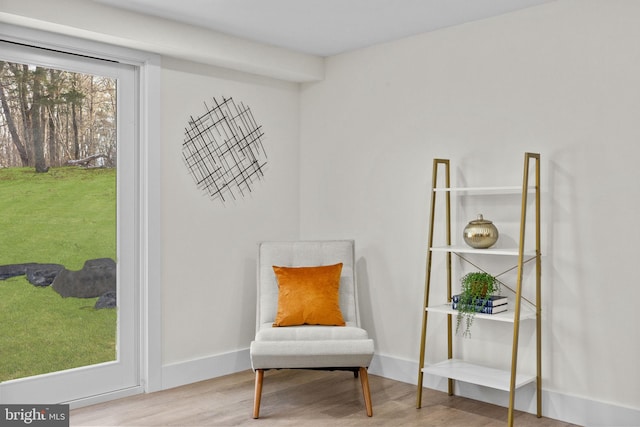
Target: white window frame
(149,176)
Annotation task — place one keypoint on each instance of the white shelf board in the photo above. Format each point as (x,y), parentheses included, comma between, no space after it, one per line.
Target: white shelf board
(506,316)
(477,374)
(506,189)
(490,251)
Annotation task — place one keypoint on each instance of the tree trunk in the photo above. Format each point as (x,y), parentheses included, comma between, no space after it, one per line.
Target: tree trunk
(53,153)
(21,71)
(90,144)
(37,125)
(74,125)
(76,99)
(52,112)
(85,162)
(15,137)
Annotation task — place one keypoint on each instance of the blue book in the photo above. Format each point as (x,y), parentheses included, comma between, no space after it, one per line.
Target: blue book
(490,301)
(485,310)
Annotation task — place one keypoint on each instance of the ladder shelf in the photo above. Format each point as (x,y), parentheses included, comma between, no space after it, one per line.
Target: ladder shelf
(477,374)
(454,369)
(505,316)
(491,251)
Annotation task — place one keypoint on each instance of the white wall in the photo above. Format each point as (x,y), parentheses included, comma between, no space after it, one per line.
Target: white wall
(561,79)
(209,247)
(350,157)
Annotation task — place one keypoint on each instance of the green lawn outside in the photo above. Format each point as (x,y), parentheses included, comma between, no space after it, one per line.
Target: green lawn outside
(65,216)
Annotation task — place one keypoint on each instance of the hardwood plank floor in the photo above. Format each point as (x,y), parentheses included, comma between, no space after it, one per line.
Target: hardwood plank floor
(298,398)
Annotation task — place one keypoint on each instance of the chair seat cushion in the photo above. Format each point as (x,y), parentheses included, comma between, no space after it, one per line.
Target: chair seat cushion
(311,347)
(310,332)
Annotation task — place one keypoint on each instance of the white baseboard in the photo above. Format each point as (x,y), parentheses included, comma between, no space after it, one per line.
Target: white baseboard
(558,406)
(192,371)
(571,409)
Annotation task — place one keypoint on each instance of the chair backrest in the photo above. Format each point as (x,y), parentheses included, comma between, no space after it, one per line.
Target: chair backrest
(305,254)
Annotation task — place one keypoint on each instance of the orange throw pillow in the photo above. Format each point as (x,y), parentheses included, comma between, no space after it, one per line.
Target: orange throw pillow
(309,296)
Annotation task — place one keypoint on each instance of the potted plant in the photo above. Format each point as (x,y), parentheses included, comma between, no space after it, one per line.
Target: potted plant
(475,288)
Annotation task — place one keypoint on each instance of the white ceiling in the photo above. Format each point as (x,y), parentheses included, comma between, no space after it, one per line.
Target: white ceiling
(323,27)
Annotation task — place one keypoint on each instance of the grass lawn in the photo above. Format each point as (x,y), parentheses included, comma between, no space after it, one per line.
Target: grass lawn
(65,216)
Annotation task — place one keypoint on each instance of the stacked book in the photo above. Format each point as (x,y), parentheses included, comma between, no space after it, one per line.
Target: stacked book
(489,305)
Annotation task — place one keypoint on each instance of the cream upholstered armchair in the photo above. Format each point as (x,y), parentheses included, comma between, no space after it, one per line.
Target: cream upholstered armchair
(307,312)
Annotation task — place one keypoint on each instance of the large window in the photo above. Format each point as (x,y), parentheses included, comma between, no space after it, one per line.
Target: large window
(58,168)
(76,141)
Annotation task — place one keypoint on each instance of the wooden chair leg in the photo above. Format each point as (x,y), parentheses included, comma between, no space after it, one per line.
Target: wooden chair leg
(258,393)
(364,379)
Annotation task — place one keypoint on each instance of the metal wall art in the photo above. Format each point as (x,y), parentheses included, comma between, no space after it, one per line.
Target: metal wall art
(223,150)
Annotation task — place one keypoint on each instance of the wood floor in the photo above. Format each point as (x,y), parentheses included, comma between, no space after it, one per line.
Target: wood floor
(298,398)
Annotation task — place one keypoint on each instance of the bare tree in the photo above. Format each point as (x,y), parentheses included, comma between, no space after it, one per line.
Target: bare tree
(74,97)
(52,116)
(37,112)
(54,100)
(13,130)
